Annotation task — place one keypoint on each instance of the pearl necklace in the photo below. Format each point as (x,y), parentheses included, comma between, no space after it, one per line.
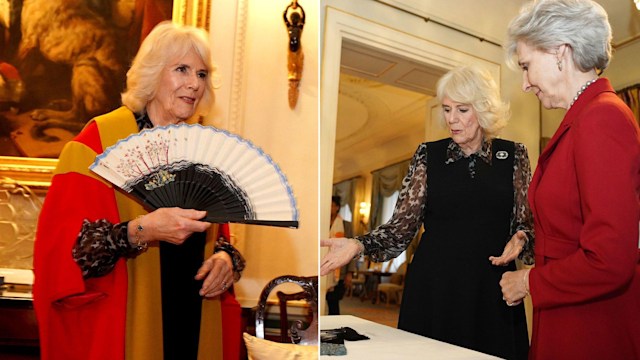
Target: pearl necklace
(582,89)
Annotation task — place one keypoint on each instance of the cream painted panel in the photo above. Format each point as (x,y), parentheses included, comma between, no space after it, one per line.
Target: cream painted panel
(250,43)
(434,128)
(467,15)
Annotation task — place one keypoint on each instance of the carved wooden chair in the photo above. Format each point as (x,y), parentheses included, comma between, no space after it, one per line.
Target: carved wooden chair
(309,285)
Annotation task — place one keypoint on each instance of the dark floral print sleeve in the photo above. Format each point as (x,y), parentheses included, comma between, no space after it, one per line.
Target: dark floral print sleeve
(99,246)
(522,218)
(391,239)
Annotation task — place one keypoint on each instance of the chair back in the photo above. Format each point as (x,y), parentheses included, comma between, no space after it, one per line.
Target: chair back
(309,285)
(283,298)
(399,276)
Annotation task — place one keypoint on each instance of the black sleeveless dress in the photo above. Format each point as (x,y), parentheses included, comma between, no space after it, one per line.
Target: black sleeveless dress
(452,291)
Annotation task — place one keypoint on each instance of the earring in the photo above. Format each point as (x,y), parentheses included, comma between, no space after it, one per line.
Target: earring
(559,63)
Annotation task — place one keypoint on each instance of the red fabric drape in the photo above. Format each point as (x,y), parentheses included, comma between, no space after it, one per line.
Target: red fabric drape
(231,315)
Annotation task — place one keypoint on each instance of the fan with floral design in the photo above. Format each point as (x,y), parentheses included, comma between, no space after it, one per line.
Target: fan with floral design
(204,168)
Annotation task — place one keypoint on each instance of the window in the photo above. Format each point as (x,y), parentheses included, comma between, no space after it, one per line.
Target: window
(345,213)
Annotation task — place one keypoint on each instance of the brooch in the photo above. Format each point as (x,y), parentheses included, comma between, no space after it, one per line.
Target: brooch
(502,155)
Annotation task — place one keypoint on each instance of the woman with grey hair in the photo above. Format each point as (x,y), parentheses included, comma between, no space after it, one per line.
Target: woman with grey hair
(585,288)
(469,192)
(111,280)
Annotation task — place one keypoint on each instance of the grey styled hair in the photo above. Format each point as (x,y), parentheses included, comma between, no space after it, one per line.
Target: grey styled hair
(166,42)
(475,86)
(547,24)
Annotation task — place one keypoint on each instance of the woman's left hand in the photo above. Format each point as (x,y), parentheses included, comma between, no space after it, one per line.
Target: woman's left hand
(217,273)
(511,250)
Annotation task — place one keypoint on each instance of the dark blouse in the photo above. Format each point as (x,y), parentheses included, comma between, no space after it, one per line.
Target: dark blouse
(100,243)
(391,239)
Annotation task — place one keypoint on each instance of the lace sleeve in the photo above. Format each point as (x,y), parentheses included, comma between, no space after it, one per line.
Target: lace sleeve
(99,246)
(521,218)
(391,239)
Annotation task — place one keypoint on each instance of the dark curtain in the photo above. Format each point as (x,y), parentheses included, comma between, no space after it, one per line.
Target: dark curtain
(385,182)
(351,193)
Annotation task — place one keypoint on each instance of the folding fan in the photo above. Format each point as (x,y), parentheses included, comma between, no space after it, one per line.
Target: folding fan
(204,168)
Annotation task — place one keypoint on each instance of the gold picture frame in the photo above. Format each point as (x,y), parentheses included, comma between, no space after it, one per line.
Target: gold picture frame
(35,173)
(24,182)
(192,12)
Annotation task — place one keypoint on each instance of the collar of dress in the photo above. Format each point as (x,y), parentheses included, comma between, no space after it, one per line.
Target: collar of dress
(143,121)
(455,153)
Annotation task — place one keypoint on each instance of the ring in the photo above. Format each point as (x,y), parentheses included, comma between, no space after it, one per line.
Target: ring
(510,304)
(224,285)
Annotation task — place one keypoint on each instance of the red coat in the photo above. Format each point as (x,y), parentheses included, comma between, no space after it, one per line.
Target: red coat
(584,195)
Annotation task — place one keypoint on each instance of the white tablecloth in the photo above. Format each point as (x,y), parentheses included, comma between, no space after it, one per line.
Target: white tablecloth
(390,343)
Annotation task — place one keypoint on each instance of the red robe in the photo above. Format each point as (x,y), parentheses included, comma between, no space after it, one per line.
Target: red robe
(95,318)
(584,195)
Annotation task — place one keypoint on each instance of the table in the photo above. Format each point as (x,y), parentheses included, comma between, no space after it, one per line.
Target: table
(390,343)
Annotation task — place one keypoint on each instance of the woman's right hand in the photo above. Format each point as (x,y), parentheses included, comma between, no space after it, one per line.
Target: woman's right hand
(173,225)
(341,251)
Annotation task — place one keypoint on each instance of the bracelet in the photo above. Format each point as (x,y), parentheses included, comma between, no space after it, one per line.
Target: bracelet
(525,280)
(230,253)
(361,252)
(138,243)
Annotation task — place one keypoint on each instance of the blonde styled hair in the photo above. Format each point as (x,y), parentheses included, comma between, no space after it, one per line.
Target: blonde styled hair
(547,24)
(475,86)
(165,43)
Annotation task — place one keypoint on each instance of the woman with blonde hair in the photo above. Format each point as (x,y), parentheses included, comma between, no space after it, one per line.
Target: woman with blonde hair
(469,192)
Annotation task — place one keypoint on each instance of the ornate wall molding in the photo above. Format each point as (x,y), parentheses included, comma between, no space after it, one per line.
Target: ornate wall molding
(236,103)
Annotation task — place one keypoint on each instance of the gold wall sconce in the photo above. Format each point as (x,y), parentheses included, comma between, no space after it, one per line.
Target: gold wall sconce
(294,19)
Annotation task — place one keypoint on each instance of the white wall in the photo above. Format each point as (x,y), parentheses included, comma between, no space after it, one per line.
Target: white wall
(250,44)
(624,69)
